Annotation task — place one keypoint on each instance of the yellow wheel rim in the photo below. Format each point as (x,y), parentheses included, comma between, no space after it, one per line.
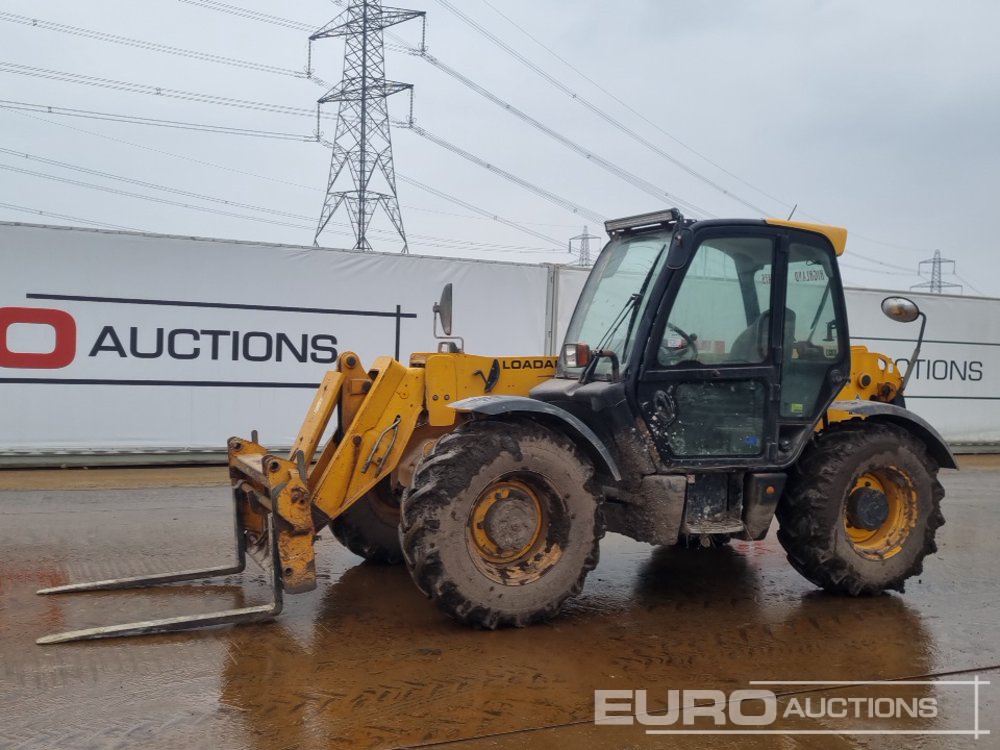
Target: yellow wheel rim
(891,492)
(507,528)
(506,521)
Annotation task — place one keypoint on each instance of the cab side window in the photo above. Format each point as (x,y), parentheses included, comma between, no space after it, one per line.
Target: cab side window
(720,316)
(811,322)
(722,310)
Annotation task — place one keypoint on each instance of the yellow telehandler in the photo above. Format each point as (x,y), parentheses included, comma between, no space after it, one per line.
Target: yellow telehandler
(706,387)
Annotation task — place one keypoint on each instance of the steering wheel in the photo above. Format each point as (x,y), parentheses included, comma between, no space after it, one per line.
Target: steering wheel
(687,352)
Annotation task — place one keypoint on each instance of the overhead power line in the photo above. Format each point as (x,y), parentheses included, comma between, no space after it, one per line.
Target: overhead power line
(102,36)
(403,46)
(20,107)
(679,142)
(484,214)
(895,245)
(140,196)
(897,268)
(160,91)
(52,215)
(469,206)
(977,291)
(853,267)
(631,109)
(148,46)
(287,23)
(646,186)
(605,164)
(139,88)
(596,109)
(443,242)
(150,185)
(253,15)
(866,238)
(551,197)
(172,154)
(136,120)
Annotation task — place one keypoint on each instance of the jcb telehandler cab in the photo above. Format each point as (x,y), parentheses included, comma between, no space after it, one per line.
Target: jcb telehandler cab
(707,386)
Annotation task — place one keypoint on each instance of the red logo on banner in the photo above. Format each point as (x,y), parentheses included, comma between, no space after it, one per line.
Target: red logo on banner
(61,322)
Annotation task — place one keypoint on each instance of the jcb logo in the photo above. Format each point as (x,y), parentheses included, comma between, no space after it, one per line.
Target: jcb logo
(63,351)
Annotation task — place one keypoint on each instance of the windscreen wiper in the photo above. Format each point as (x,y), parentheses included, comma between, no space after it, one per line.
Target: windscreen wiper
(599,352)
(642,291)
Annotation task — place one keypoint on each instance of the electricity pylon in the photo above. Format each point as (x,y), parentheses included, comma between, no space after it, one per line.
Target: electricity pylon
(935,285)
(584,251)
(362,143)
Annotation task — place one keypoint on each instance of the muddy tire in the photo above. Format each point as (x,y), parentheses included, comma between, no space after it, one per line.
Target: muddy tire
(861,509)
(502,523)
(370,527)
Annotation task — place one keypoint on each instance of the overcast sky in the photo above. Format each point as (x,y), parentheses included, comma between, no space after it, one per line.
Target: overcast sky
(883,117)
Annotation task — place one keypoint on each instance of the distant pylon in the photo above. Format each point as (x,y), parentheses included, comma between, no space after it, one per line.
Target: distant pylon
(362,142)
(935,285)
(584,249)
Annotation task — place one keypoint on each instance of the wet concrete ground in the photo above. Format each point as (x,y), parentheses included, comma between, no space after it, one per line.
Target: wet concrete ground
(366,662)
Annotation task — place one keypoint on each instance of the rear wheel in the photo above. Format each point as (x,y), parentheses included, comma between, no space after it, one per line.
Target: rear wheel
(370,527)
(861,509)
(501,523)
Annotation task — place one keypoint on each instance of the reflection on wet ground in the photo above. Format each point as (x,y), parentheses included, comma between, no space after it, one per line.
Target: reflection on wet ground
(366,662)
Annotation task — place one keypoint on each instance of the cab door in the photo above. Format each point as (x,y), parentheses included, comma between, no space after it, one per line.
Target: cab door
(708,375)
(710,384)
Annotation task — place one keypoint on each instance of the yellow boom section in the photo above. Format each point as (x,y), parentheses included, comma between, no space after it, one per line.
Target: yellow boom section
(379,421)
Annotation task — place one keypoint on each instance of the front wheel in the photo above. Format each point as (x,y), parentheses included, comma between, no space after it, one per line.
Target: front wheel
(501,523)
(861,509)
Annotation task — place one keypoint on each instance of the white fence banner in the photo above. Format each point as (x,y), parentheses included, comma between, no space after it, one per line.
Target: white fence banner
(124,342)
(956,378)
(116,341)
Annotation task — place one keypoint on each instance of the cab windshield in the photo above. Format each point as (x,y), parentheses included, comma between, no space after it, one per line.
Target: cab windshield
(616,294)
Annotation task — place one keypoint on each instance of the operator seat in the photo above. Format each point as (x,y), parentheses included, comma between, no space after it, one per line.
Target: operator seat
(753,342)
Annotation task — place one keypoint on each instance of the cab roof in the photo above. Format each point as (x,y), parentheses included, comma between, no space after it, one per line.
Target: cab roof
(648,221)
(836,235)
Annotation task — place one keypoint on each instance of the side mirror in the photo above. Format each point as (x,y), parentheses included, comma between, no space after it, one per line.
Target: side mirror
(443,309)
(906,311)
(900,309)
(442,312)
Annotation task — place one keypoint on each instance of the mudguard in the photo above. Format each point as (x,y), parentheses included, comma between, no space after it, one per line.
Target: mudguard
(882,412)
(509,405)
